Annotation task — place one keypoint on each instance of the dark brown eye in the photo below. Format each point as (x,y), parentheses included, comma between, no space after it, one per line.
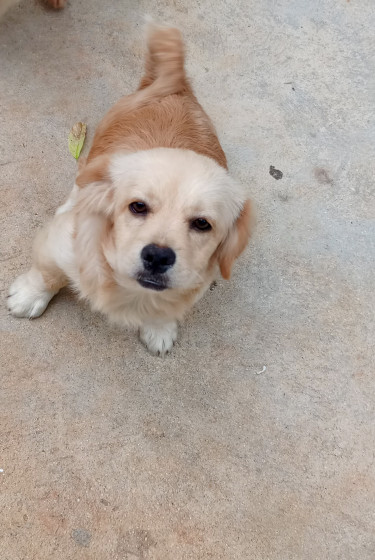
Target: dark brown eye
(201,224)
(138,208)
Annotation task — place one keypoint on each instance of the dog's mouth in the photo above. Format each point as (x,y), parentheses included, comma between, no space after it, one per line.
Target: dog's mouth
(155,282)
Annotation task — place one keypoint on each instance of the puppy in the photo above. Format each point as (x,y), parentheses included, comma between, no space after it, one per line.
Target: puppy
(153,214)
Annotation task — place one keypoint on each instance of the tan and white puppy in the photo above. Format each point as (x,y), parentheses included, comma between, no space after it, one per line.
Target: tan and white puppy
(153,214)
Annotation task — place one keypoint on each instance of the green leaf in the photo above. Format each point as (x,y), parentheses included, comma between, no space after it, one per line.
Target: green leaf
(76,139)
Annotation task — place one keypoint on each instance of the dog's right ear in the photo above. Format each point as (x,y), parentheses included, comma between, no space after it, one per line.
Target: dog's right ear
(96,190)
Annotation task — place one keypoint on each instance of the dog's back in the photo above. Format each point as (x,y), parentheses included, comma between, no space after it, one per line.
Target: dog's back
(163,112)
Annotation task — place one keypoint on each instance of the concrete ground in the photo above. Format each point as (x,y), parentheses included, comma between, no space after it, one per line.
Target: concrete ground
(255,438)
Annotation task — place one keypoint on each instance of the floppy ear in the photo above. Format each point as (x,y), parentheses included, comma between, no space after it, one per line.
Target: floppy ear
(96,192)
(236,241)
(94,211)
(94,171)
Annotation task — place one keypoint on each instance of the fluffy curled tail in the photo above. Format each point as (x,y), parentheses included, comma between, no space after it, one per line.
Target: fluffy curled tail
(164,75)
(164,71)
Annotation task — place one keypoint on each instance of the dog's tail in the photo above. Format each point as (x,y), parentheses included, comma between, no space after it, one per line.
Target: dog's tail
(164,75)
(164,69)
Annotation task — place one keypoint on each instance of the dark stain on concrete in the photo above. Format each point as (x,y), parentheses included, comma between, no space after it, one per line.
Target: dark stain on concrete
(81,537)
(276,173)
(283,197)
(322,176)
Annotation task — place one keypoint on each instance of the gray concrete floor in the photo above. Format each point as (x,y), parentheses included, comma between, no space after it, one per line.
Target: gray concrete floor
(110,453)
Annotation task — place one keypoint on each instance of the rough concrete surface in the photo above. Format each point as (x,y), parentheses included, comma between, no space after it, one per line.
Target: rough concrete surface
(108,453)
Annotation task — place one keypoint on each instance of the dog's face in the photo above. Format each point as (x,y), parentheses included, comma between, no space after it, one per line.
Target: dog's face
(171,215)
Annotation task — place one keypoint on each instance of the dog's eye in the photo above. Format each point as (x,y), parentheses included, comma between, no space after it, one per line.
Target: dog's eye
(138,207)
(201,224)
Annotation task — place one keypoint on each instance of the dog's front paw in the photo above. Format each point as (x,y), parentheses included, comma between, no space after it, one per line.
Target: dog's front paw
(159,339)
(28,296)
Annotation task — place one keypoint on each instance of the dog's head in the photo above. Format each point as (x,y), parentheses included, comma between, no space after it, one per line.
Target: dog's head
(164,218)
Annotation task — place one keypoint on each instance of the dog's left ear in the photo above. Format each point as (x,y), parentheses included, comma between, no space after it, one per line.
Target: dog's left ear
(236,241)
(95,171)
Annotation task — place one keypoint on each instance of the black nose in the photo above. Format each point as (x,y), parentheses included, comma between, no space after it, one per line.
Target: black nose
(157,259)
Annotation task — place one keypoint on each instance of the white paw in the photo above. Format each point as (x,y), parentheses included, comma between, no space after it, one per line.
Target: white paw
(28,296)
(159,339)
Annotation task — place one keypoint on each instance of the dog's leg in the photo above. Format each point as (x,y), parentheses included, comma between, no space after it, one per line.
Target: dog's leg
(31,292)
(159,338)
